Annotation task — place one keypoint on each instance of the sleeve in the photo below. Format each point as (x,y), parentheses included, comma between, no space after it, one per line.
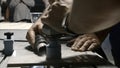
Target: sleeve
(14,3)
(29,3)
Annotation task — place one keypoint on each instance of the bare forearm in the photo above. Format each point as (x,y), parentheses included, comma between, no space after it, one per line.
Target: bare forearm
(102,34)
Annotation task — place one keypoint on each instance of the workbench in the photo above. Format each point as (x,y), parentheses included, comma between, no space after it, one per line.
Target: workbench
(23,56)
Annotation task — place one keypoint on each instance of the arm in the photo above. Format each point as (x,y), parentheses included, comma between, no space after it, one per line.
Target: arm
(35,29)
(49,16)
(14,3)
(7,14)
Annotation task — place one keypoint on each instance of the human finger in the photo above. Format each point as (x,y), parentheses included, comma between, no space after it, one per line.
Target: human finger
(78,43)
(93,46)
(85,46)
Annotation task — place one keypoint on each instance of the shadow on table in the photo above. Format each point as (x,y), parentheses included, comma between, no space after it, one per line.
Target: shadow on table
(41,52)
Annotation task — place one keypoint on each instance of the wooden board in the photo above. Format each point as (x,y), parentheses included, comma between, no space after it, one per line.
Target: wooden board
(1,45)
(4,63)
(15,25)
(19,34)
(1,57)
(24,57)
(19,29)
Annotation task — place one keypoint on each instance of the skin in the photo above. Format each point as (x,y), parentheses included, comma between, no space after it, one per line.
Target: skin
(80,43)
(89,41)
(34,30)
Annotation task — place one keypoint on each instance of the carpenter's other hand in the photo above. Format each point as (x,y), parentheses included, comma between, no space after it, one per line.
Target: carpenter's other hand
(85,42)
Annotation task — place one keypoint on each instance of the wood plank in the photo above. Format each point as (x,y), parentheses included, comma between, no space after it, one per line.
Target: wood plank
(4,63)
(1,57)
(19,34)
(13,25)
(1,45)
(24,57)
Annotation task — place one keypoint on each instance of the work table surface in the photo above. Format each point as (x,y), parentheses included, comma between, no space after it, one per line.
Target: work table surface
(22,56)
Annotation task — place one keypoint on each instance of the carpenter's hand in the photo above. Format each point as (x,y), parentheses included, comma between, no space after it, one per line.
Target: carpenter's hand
(30,36)
(85,42)
(33,31)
